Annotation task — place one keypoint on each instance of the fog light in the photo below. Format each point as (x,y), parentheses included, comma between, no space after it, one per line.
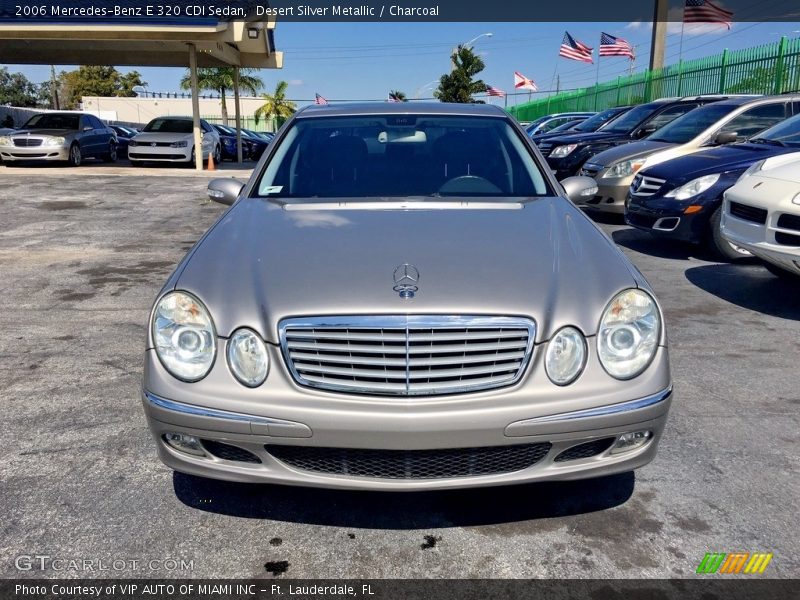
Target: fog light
(631,441)
(185,443)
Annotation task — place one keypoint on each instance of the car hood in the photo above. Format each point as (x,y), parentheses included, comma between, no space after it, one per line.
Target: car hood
(160,136)
(630,151)
(721,159)
(262,262)
(54,132)
(587,138)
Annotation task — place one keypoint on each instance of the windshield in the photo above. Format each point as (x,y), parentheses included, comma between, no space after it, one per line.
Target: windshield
(53,121)
(382,156)
(169,126)
(786,132)
(628,122)
(687,127)
(596,122)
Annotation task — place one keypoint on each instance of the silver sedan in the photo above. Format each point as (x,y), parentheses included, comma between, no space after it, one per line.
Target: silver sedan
(404,298)
(60,136)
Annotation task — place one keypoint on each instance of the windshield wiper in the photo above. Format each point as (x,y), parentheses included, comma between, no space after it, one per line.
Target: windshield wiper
(761,140)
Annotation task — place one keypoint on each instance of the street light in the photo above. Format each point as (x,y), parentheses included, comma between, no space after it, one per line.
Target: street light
(424,87)
(475,39)
(469,45)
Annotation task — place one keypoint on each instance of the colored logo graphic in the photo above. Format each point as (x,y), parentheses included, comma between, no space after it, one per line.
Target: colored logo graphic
(735,562)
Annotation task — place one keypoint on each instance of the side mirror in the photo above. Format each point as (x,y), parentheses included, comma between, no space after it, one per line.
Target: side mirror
(725,137)
(645,131)
(224,191)
(579,189)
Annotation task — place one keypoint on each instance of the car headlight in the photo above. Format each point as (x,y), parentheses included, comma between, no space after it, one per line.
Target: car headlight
(181,144)
(54,141)
(247,357)
(624,168)
(6,141)
(566,356)
(628,335)
(184,336)
(796,199)
(562,151)
(133,143)
(694,187)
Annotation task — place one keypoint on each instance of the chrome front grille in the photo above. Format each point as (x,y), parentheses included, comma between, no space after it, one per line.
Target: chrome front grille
(27,142)
(400,355)
(643,185)
(545,147)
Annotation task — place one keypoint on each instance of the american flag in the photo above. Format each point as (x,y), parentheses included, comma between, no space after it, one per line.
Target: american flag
(614,46)
(319,100)
(493,91)
(523,83)
(705,11)
(575,50)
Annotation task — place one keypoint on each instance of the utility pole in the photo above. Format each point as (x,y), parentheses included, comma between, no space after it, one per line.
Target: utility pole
(658,42)
(558,83)
(53,88)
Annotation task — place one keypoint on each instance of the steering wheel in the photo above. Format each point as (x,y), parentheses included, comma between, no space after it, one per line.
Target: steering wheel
(470,184)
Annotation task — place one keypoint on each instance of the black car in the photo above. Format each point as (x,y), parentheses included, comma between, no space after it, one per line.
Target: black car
(682,198)
(227,137)
(566,154)
(257,143)
(587,125)
(124,135)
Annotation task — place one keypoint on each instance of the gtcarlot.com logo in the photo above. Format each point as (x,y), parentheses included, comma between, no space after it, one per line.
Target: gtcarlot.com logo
(44,562)
(734,563)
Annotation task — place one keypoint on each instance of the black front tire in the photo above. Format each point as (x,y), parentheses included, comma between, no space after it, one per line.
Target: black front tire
(721,247)
(75,156)
(111,155)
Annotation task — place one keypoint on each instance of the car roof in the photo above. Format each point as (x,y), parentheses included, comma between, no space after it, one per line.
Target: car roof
(401,108)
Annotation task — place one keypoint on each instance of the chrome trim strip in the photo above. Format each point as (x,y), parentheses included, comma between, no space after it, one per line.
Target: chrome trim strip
(407,322)
(200,411)
(604,411)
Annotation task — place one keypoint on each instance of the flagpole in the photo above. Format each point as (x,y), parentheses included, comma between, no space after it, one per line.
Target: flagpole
(597,75)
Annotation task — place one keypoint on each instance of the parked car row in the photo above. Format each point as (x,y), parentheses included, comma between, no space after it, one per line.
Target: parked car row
(72,137)
(667,164)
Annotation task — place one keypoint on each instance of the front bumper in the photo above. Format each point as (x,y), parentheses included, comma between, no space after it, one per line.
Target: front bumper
(612,192)
(159,153)
(665,217)
(18,153)
(322,422)
(760,240)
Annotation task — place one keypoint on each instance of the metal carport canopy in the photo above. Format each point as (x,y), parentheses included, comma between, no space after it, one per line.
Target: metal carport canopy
(192,44)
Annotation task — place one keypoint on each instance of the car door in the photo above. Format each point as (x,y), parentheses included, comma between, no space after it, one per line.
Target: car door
(754,120)
(85,136)
(101,135)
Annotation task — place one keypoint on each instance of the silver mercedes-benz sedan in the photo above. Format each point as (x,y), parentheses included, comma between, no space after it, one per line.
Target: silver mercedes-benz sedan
(402,297)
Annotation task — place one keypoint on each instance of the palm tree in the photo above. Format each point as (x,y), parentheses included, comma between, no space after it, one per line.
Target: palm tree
(398,95)
(276,106)
(220,79)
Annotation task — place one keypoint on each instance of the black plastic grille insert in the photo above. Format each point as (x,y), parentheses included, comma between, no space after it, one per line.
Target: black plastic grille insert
(585,450)
(411,464)
(228,452)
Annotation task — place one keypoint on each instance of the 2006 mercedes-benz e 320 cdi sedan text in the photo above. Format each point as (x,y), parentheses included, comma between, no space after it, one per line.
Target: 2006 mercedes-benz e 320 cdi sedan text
(403,297)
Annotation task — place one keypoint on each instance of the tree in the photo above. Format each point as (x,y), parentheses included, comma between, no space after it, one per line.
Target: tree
(760,80)
(458,85)
(96,81)
(276,106)
(221,79)
(17,90)
(398,96)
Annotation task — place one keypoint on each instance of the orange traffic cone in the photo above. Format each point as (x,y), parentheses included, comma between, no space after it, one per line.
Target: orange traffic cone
(211,165)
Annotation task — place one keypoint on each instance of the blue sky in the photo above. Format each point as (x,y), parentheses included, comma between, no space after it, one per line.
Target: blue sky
(366,60)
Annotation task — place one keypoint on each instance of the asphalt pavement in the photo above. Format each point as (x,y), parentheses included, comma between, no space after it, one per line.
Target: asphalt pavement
(82,256)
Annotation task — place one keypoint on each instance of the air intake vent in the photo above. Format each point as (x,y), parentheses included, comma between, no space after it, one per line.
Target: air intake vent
(229,452)
(411,464)
(586,450)
(748,213)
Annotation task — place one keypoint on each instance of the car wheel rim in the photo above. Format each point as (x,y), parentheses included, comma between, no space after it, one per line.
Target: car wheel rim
(76,155)
(113,152)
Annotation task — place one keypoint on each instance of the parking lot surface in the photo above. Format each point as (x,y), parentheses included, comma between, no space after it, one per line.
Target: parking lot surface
(82,258)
